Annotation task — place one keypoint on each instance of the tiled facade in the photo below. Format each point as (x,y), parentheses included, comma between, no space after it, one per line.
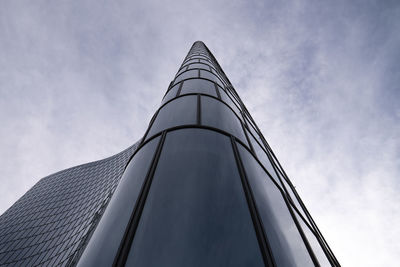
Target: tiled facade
(53,220)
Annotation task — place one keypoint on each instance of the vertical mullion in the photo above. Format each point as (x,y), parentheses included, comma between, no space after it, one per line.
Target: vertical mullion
(248,138)
(198,110)
(127,240)
(178,92)
(260,233)
(217,90)
(303,236)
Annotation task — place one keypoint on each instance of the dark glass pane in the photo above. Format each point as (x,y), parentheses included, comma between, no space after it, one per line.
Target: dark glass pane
(262,156)
(228,100)
(250,123)
(218,75)
(210,76)
(182,70)
(199,66)
(196,212)
(171,93)
(191,61)
(205,61)
(293,197)
(186,75)
(216,114)
(283,236)
(104,244)
(198,86)
(202,57)
(180,111)
(316,247)
(233,97)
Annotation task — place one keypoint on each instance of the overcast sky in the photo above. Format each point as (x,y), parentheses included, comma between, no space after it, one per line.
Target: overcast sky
(80,80)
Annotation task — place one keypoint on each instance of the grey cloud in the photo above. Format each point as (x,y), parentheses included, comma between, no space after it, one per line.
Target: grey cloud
(79,81)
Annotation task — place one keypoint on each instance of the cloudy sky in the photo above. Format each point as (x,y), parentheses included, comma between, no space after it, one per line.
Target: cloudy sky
(79,81)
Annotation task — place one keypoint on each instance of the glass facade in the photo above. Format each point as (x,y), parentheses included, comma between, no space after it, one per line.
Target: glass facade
(202,188)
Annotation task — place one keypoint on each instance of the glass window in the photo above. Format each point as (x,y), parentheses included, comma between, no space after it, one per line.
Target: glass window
(104,244)
(250,123)
(171,93)
(313,241)
(228,100)
(263,158)
(205,61)
(216,114)
(196,212)
(218,75)
(182,70)
(199,66)
(233,97)
(210,76)
(294,198)
(198,86)
(283,236)
(186,75)
(191,61)
(203,57)
(180,111)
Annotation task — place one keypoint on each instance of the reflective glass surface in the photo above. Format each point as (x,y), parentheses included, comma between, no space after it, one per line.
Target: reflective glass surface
(312,240)
(191,61)
(294,199)
(198,86)
(228,100)
(208,75)
(283,236)
(196,212)
(216,114)
(182,70)
(262,156)
(186,75)
(171,93)
(218,75)
(199,66)
(180,111)
(205,61)
(110,231)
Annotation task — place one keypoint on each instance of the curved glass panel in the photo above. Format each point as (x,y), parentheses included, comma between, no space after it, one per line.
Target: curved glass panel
(171,93)
(216,114)
(202,57)
(294,198)
(313,241)
(283,236)
(205,61)
(218,75)
(198,86)
(263,158)
(210,76)
(196,212)
(186,75)
(104,244)
(199,66)
(191,61)
(181,70)
(228,100)
(180,111)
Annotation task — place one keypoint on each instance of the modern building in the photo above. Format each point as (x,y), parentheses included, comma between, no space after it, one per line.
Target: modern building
(201,188)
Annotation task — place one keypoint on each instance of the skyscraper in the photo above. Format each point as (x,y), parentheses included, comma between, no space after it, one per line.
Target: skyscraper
(201,188)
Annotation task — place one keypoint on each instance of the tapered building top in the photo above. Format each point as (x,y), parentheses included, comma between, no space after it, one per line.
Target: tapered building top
(201,188)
